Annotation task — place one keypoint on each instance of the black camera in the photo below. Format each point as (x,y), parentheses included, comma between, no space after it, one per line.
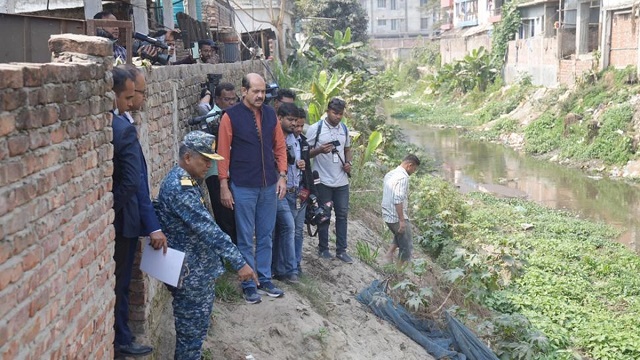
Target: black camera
(159,58)
(317,214)
(210,85)
(291,155)
(208,123)
(271,92)
(335,143)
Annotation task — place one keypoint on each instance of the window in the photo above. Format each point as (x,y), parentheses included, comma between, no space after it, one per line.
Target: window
(394,24)
(382,3)
(423,2)
(393,4)
(382,22)
(424,23)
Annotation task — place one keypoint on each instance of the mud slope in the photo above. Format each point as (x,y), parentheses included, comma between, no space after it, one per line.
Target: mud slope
(334,325)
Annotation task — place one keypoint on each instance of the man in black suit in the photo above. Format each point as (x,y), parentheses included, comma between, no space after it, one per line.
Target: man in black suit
(134,213)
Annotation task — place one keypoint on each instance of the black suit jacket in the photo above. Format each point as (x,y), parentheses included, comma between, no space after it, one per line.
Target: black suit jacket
(134,214)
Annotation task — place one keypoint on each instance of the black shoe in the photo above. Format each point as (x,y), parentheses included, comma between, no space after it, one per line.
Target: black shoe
(133,349)
(325,254)
(344,257)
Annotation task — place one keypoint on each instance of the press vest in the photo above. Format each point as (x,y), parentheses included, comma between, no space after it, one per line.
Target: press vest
(252,163)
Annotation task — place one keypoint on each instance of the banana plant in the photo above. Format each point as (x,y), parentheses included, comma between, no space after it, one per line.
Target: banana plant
(323,88)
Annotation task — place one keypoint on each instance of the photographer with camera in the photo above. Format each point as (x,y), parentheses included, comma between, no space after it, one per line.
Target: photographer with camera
(291,209)
(331,149)
(225,96)
(111,33)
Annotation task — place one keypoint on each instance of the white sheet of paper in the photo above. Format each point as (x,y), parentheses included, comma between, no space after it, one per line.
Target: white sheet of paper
(164,267)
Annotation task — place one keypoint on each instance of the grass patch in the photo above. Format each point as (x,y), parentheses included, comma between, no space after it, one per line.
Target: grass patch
(366,253)
(227,288)
(308,288)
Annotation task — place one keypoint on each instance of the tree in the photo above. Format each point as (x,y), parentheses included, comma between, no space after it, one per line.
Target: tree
(327,16)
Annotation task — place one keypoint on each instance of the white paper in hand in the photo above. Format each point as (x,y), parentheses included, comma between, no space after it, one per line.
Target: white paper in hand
(164,267)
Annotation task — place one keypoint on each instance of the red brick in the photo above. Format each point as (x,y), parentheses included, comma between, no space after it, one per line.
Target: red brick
(11,76)
(13,223)
(32,257)
(11,351)
(22,240)
(57,135)
(18,144)
(32,75)
(4,148)
(7,123)
(39,301)
(30,118)
(6,250)
(12,99)
(50,114)
(39,138)
(8,301)
(10,272)
(31,331)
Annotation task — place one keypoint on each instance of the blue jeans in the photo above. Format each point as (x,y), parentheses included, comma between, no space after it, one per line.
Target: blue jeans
(298,220)
(284,256)
(340,197)
(255,211)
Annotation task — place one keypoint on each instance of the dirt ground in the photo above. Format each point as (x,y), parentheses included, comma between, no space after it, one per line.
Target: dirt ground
(316,319)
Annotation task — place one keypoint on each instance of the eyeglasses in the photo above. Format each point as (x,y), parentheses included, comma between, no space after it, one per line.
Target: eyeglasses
(228,99)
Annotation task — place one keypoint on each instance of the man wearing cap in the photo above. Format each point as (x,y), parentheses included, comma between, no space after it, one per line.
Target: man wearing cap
(190,228)
(331,149)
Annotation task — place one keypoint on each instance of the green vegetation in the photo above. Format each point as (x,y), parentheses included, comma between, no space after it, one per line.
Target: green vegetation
(366,253)
(534,283)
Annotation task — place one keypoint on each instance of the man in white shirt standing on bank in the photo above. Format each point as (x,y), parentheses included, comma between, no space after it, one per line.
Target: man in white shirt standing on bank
(394,208)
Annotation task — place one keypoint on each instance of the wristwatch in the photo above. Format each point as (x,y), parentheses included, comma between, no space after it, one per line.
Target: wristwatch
(283,175)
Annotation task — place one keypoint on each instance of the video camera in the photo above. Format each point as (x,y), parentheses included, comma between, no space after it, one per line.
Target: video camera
(272,92)
(160,58)
(317,214)
(208,123)
(212,81)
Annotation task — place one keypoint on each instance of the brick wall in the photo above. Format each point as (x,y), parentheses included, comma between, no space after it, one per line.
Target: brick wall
(573,69)
(56,282)
(624,41)
(56,267)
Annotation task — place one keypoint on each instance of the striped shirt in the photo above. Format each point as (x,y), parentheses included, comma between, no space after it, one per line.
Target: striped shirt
(396,186)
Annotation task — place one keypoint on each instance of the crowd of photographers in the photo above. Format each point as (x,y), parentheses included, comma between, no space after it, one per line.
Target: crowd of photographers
(159,48)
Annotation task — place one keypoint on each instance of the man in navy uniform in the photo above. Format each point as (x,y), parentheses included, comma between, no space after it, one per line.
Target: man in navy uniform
(191,228)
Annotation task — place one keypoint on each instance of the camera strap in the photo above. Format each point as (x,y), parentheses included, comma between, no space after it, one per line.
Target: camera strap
(309,230)
(344,127)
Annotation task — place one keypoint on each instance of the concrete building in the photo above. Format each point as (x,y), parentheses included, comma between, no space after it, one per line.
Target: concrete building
(400,18)
(397,26)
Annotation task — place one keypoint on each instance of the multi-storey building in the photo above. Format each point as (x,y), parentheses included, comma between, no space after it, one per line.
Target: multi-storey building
(396,26)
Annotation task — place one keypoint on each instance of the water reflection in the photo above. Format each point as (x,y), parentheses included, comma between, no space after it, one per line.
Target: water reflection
(494,168)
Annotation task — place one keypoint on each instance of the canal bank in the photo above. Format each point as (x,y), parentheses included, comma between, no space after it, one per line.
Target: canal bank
(474,165)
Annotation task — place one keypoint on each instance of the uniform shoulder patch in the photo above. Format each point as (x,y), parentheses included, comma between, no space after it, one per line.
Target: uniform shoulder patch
(186,181)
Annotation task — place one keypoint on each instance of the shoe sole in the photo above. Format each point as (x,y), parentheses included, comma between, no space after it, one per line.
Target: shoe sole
(262,292)
(253,302)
